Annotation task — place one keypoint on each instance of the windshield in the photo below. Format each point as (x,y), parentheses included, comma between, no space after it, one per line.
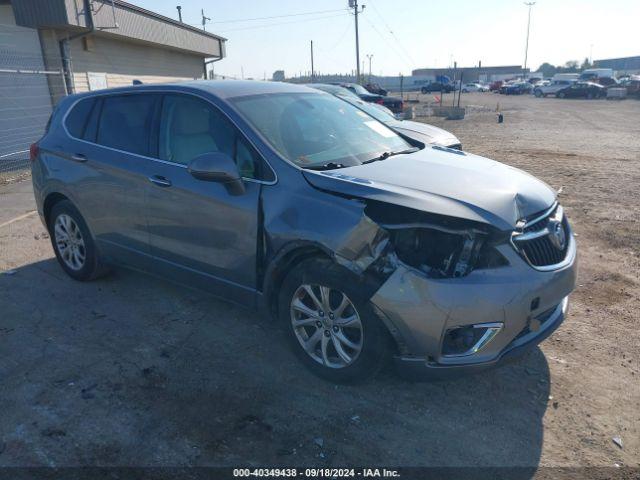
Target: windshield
(318,130)
(359,89)
(369,108)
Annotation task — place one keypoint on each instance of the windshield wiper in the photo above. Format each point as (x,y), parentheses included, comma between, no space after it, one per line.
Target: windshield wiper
(386,155)
(325,166)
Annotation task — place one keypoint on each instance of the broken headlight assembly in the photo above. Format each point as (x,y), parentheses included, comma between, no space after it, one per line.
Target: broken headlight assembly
(445,253)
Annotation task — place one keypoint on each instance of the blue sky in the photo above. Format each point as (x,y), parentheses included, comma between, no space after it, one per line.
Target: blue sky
(425,33)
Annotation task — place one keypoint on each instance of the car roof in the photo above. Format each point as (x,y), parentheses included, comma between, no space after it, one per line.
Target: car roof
(224,89)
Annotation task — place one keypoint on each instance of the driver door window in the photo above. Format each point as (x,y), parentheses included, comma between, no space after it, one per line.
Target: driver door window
(190,126)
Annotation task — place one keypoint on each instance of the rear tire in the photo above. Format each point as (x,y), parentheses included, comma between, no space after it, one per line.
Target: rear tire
(560,95)
(345,340)
(73,243)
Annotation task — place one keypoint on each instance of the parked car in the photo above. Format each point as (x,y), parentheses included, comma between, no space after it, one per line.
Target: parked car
(632,84)
(395,104)
(587,90)
(474,87)
(437,87)
(360,244)
(376,89)
(552,88)
(518,88)
(418,131)
(495,86)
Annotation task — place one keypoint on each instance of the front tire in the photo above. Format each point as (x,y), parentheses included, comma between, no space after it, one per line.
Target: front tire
(73,244)
(330,322)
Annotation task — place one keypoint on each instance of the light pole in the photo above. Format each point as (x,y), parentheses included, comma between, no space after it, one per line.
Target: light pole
(526,48)
(370,57)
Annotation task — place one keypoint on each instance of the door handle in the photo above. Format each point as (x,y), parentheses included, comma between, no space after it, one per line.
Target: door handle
(78,157)
(160,181)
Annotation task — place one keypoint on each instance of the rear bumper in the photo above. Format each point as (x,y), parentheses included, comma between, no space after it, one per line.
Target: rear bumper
(420,368)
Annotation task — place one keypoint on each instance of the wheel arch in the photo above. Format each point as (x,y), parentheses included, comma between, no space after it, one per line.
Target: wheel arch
(287,258)
(291,256)
(49,202)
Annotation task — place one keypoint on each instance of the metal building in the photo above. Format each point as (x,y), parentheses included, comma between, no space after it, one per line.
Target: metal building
(49,48)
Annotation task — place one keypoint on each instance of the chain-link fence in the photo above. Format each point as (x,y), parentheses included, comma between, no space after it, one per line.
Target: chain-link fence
(26,102)
(28,90)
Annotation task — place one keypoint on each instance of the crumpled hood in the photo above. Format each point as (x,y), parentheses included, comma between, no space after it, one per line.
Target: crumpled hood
(433,135)
(444,182)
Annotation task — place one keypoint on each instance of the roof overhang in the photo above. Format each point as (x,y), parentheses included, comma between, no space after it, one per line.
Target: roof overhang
(118,19)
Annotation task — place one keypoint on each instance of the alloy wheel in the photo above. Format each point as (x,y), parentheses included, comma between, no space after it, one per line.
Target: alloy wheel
(327,325)
(69,242)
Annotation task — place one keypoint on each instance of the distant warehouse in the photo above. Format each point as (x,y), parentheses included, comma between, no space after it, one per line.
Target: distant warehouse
(49,48)
(625,65)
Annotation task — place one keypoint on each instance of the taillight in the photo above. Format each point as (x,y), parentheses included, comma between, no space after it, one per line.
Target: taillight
(380,101)
(34,150)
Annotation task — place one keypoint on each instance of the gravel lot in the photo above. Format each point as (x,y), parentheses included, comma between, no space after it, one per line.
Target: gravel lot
(131,370)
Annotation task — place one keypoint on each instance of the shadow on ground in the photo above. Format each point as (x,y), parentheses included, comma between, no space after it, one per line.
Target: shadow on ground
(131,370)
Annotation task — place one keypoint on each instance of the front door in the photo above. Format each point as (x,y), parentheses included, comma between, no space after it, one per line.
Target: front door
(199,232)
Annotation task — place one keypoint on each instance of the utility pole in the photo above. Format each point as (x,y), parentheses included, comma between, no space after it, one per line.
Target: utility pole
(354,4)
(204,21)
(313,77)
(179,13)
(369,57)
(526,48)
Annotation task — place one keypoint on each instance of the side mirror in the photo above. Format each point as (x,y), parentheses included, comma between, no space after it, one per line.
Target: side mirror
(217,167)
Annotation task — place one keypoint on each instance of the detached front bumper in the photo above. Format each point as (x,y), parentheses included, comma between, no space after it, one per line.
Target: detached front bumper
(529,305)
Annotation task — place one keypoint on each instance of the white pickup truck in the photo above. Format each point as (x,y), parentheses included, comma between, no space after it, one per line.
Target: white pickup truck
(552,88)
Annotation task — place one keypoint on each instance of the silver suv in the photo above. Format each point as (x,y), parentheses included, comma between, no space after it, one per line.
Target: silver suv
(363,244)
(551,89)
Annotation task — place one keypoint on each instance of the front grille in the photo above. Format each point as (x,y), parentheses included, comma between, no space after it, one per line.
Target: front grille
(539,242)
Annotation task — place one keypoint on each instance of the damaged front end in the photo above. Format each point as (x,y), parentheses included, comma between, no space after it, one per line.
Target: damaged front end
(444,290)
(435,245)
(447,283)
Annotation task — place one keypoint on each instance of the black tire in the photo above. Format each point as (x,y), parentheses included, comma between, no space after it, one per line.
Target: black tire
(92,267)
(589,96)
(375,339)
(538,93)
(560,95)
(423,90)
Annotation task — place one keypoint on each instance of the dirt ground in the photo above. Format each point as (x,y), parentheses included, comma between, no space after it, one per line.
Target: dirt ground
(132,370)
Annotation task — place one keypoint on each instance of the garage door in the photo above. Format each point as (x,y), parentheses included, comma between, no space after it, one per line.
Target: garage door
(25,101)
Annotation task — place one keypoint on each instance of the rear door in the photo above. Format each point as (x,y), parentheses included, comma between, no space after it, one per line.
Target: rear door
(116,146)
(200,232)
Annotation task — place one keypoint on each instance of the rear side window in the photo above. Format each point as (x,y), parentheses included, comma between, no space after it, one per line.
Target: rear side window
(126,122)
(77,119)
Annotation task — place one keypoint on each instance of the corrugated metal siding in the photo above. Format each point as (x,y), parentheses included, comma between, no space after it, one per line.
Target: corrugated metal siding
(133,23)
(147,28)
(122,62)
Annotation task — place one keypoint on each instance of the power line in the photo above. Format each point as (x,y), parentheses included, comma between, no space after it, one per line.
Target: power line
(405,51)
(237,20)
(404,59)
(281,23)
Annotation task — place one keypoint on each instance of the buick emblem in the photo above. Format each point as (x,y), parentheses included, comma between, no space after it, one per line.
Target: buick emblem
(557,235)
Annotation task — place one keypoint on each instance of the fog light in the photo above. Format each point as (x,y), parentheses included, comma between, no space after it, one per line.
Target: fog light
(467,340)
